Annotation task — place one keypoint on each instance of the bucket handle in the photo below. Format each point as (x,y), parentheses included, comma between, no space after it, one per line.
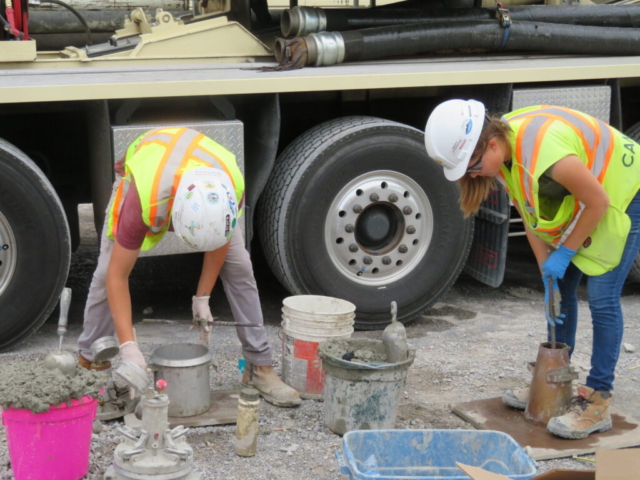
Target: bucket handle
(344,469)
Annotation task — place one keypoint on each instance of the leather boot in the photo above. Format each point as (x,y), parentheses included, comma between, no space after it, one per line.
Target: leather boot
(516,398)
(588,413)
(271,388)
(89,365)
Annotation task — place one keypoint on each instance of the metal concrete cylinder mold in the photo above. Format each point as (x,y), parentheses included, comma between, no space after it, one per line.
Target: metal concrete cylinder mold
(185,368)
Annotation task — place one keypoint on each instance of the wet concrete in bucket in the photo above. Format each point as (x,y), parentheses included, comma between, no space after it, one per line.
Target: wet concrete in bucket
(353,350)
(33,387)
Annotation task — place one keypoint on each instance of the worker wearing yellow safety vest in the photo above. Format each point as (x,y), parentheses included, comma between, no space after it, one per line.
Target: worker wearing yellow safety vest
(178,179)
(575,182)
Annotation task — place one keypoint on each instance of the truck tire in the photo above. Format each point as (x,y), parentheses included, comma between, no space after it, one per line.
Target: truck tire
(35,247)
(323,230)
(634,275)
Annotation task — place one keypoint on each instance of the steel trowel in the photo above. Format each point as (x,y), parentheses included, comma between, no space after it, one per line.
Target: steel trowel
(394,338)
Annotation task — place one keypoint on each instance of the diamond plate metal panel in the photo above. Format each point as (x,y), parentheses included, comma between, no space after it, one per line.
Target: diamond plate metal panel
(595,101)
(229,134)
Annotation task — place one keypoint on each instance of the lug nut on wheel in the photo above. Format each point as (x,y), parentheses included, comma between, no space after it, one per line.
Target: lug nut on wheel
(386,260)
(367,260)
(353,248)
(407,210)
(349,228)
(403,248)
(393,198)
(411,229)
(357,209)
(374,197)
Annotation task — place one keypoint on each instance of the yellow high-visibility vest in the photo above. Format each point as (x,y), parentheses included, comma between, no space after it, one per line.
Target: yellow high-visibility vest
(541,136)
(156,161)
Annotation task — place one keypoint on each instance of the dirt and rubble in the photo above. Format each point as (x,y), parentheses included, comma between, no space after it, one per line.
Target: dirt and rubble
(473,344)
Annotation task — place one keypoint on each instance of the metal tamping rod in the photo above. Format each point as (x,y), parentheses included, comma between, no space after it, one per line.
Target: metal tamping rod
(552,312)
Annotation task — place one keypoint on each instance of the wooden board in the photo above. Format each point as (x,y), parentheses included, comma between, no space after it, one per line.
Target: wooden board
(493,414)
(223,411)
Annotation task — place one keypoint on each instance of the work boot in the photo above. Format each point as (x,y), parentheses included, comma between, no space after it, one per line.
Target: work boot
(516,398)
(271,388)
(89,365)
(588,413)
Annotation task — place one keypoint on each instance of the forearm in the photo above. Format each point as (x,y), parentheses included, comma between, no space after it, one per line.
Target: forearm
(540,249)
(211,266)
(585,225)
(120,305)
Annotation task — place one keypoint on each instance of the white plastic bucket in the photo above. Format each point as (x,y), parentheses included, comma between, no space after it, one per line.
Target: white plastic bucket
(308,320)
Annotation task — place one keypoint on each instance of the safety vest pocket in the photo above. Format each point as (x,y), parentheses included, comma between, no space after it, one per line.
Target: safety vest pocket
(602,250)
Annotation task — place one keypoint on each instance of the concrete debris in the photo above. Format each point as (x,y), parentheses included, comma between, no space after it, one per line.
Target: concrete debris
(628,348)
(147,311)
(97,426)
(290,449)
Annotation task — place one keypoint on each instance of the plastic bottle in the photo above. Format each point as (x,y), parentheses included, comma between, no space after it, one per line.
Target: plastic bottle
(247,425)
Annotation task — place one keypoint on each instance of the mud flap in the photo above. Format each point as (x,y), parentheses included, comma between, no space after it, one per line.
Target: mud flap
(488,255)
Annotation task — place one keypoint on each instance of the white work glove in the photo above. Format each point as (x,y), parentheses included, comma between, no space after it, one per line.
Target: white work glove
(202,318)
(131,351)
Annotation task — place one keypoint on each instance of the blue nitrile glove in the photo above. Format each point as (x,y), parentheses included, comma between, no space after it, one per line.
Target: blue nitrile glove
(557,263)
(552,296)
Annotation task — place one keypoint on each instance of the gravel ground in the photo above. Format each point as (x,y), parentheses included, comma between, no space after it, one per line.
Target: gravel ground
(472,344)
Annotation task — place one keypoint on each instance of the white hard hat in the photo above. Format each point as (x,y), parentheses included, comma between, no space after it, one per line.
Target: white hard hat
(205,209)
(451,135)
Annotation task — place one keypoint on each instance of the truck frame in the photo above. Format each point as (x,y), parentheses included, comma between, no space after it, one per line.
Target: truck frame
(340,189)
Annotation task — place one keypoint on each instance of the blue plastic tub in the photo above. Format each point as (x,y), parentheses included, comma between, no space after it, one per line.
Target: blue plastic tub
(430,454)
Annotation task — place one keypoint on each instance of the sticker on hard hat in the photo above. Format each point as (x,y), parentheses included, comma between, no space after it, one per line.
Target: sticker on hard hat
(209,185)
(212,198)
(227,222)
(191,187)
(468,127)
(195,207)
(193,227)
(189,195)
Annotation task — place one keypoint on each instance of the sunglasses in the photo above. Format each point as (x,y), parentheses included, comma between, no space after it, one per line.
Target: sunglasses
(477,164)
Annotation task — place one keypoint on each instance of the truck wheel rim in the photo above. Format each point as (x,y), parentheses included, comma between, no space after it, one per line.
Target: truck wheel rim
(378,228)
(8,253)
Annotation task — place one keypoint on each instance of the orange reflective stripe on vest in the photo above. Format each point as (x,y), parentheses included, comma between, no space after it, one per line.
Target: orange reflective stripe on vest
(167,176)
(597,140)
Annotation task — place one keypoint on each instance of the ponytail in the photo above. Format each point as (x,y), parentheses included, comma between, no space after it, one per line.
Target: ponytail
(474,191)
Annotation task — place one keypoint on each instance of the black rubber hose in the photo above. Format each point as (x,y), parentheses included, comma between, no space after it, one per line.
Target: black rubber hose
(374,43)
(76,13)
(595,15)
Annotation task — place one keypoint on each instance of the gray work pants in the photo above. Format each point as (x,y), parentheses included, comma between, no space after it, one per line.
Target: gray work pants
(239,286)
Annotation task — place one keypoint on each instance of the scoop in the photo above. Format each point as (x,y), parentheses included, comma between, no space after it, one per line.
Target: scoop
(394,338)
(63,361)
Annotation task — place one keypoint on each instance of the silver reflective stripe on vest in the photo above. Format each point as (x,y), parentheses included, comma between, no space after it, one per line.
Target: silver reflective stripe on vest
(601,150)
(584,127)
(571,225)
(153,136)
(204,156)
(528,145)
(165,187)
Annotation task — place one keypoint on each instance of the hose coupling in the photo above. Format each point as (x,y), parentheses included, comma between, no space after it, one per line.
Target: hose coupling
(325,48)
(301,21)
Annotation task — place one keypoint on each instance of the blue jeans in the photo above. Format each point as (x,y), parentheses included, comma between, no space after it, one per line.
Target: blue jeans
(603,293)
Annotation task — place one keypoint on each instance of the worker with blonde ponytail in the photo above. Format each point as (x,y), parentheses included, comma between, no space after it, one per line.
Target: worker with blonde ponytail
(575,182)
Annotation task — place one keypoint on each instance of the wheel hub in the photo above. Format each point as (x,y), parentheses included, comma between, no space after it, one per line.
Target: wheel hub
(8,253)
(378,227)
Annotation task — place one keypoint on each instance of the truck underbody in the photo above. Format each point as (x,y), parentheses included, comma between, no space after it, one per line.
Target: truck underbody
(340,190)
